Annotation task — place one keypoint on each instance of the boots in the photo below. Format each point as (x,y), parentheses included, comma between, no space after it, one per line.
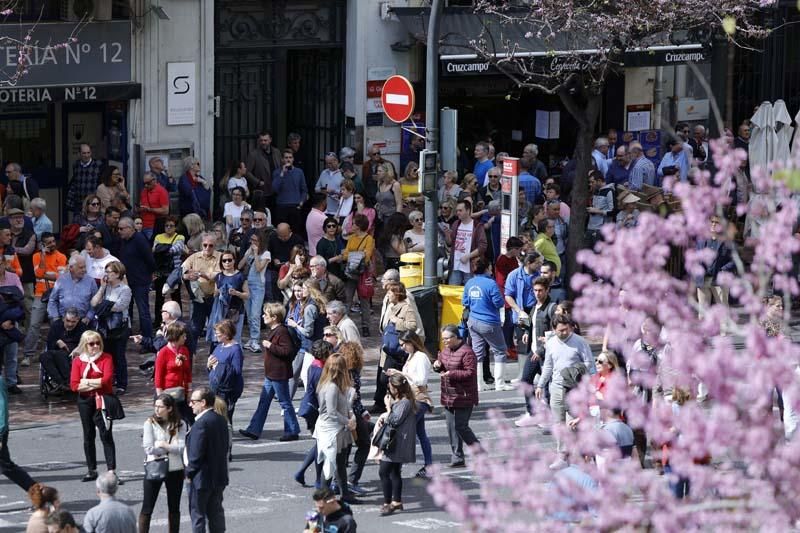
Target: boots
(174,522)
(144,523)
(499,381)
(487,370)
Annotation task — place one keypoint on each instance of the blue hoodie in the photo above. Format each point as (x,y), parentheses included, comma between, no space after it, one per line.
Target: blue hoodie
(483,299)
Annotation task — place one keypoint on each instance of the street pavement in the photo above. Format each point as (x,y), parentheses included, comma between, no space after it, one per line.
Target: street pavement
(46,440)
(262,494)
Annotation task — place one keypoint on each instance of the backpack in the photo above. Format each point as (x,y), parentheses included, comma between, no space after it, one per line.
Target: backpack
(162,253)
(69,238)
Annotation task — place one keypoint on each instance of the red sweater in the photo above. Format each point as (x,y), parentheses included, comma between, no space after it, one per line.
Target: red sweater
(171,374)
(502,268)
(106,365)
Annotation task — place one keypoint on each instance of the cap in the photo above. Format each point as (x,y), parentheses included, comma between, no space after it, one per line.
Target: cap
(14,211)
(630,199)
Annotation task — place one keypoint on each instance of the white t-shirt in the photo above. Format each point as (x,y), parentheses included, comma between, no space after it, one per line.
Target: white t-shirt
(236,213)
(415,239)
(462,244)
(266,256)
(418,368)
(96,268)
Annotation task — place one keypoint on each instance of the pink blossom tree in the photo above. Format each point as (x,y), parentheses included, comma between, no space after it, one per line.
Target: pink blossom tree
(26,44)
(743,472)
(592,38)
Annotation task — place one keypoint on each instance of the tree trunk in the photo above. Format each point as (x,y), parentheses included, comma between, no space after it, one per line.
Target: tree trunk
(586,113)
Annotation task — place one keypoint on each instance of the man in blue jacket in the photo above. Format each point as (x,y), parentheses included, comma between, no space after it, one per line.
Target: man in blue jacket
(291,192)
(137,256)
(483,300)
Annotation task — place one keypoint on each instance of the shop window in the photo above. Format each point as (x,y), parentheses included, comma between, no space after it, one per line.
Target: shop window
(27,140)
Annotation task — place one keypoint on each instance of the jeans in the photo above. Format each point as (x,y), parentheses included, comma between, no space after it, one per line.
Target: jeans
(458,430)
(351,292)
(92,422)
(422,435)
(28,288)
(117,350)
(529,372)
(200,312)
(10,363)
(253,307)
(363,437)
(272,388)
(9,468)
(37,316)
(458,277)
(487,336)
(141,295)
(174,483)
(297,367)
(391,481)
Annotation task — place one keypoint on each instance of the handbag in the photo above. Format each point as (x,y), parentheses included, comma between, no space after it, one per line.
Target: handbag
(157,469)
(385,438)
(113,407)
(356,261)
(366,285)
(179,393)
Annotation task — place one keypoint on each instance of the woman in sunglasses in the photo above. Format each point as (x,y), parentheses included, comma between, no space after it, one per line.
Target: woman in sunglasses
(91,216)
(331,245)
(91,378)
(414,238)
(229,295)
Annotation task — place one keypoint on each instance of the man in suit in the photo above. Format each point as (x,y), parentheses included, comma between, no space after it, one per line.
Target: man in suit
(206,463)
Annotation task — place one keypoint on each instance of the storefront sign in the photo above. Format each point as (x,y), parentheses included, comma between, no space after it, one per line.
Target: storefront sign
(662,58)
(101,53)
(181,93)
(76,93)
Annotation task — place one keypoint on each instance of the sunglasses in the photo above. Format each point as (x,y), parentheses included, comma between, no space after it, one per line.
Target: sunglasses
(328,226)
(94,203)
(415,220)
(208,245)
(93,343)
(329,335)
(227,260)
(601,361)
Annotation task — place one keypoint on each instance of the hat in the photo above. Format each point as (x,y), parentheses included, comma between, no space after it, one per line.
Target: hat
(14,211)
(630,199)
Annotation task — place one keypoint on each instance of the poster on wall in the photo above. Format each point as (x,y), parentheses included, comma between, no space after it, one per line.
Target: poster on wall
(651,144)
(181,93)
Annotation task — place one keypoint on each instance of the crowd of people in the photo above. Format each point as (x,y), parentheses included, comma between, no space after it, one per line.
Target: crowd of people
(278,267)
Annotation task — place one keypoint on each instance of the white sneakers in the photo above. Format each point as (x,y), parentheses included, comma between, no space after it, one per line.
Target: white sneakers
(524,421)
(559,464)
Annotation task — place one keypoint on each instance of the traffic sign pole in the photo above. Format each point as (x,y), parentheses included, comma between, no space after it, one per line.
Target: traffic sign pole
(432,141)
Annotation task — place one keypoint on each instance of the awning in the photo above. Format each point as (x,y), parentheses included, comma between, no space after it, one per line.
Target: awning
(459,25)
(101,92)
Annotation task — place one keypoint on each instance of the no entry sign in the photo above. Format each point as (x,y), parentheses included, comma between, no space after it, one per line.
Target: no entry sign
(397,98)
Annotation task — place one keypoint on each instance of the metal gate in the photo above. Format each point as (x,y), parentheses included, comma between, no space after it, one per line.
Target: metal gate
(279,66)
(316,103)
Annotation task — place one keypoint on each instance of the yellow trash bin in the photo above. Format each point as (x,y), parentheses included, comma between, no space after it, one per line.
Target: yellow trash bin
(451,304)
(411,269)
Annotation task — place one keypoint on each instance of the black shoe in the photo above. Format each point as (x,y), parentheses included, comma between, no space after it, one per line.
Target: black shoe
(287,438)
(376,409)
(489,380)
(457,464)
(120,391)
(365,331)
(351,500)
(245,433)
(91,475)
(13,389)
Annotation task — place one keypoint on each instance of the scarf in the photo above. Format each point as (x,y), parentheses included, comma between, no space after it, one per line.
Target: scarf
(90,363)
(192,181)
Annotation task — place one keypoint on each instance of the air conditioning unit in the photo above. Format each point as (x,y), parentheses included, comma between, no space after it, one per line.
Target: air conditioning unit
(75,10)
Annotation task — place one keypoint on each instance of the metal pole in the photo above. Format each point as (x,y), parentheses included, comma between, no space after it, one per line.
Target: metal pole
(432,141)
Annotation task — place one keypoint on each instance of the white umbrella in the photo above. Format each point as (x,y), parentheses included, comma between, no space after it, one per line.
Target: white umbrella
(762,137)
(783,131)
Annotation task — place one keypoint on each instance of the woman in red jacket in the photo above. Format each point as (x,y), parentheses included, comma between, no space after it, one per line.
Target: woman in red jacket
(92,377)
(458,367)
(173,370)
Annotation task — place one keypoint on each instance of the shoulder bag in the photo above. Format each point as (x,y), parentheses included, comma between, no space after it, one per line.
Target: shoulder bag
(356,261)
(157,469)
(385,438)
